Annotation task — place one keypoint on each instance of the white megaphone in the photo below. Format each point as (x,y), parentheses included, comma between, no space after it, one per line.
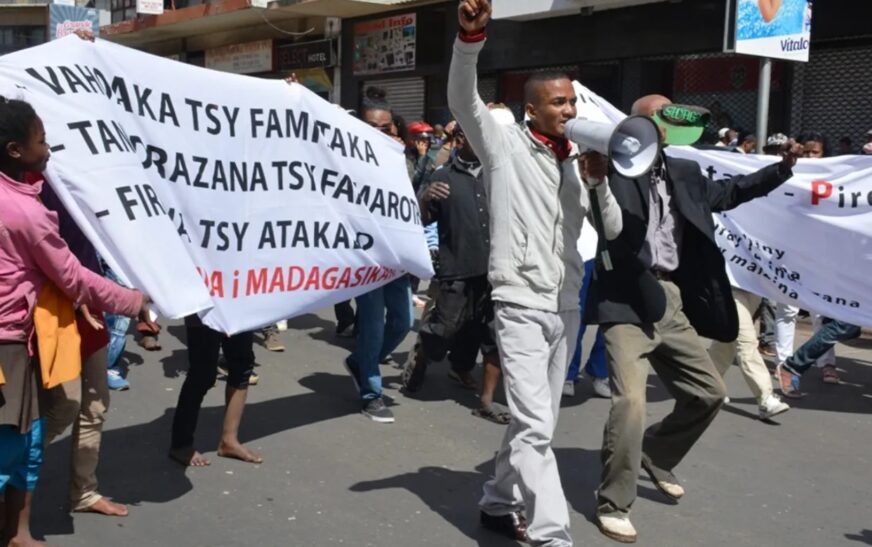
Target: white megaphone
(632,145)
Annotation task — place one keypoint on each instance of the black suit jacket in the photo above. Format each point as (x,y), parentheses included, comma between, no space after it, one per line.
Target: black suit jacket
(630,293)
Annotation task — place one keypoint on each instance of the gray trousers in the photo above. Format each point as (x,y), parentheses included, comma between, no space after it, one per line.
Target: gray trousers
(535,347)
(681,361)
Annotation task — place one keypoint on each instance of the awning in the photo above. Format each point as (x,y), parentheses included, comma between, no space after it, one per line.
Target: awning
(230,15)
(346,8)
(540,9)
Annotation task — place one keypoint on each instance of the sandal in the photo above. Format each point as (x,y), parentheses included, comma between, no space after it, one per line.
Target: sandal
(466,383)
(830,375)
(149,342)
(495,413)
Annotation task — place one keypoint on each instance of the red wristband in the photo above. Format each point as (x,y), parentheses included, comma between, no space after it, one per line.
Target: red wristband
(472,38)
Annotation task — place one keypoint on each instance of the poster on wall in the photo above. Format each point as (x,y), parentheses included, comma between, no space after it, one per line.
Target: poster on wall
(779,29)
(149,7)
(385,45)
(65,20)
(247,58)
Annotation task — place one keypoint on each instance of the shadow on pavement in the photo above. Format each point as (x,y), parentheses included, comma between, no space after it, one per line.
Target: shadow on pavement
(742,413)
(323,330)
(134,467)
(450,493)
(865,536)
(178,332)
(580,474)
(453,494)
(175,363)
(129,359)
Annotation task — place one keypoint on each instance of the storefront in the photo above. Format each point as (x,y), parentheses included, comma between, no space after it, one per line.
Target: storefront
(404,53)
(676,49)
(255,58)
(313,63)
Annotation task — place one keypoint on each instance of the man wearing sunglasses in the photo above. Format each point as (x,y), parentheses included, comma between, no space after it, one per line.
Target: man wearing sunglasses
(668,286)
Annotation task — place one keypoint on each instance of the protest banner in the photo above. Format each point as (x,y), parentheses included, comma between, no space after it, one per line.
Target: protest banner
(245,200)
(808,243)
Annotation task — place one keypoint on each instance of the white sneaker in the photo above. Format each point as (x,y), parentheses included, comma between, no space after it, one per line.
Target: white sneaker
(569,388)
(282,325)
(772,406)
(601,388)
(726,400)
(617,528)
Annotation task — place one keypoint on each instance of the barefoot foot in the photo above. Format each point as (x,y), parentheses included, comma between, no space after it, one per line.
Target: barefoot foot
(26,542)
(189,457)
(237,451)
(105,506)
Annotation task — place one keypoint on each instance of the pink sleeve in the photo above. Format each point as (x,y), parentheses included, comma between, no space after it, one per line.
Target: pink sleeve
(79,283)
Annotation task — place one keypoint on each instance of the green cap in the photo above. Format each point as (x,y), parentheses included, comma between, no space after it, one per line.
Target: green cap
(683,124)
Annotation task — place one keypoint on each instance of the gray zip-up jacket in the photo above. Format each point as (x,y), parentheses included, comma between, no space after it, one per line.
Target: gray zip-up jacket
(537,203)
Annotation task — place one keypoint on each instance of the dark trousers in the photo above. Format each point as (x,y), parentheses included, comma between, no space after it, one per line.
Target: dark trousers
(204,346)
(461,321)
(344,314)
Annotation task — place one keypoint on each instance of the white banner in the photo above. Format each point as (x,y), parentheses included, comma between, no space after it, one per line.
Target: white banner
(808,243)
(246,200)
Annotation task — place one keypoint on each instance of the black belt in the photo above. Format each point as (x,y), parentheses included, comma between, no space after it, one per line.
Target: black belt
(661,275)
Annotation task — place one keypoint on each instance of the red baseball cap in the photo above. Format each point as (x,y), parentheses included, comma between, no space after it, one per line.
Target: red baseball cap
(417,128)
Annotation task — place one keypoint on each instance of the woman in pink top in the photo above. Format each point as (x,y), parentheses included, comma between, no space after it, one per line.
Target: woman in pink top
(32,253)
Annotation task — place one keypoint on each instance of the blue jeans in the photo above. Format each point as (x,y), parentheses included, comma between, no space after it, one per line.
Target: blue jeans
(596,364)
(831,331)
(377,336)
(117,326)
(21,456)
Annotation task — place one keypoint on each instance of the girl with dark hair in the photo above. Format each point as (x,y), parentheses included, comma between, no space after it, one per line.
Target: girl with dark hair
(815,144)
(384,315)
(35,260)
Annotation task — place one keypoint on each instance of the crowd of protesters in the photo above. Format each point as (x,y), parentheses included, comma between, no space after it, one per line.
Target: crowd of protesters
(503,201)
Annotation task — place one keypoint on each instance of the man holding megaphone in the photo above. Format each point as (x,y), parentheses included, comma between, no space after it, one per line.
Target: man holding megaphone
(665,286)
(537,203)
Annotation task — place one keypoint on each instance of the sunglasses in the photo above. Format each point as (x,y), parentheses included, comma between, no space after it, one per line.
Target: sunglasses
(383,128)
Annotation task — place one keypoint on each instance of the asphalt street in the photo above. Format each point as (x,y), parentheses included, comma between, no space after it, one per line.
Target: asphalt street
(332,477)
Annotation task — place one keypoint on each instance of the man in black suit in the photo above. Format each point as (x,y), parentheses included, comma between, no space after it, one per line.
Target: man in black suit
(668,286)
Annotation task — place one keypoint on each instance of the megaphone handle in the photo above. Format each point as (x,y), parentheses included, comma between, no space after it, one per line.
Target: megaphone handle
(601,245)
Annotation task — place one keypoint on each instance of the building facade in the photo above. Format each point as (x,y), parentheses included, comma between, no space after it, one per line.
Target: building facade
(623,49)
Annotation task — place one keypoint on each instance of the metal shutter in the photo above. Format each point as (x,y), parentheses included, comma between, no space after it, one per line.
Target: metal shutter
(726,85)
(405,95)
(487,88)
(834,98)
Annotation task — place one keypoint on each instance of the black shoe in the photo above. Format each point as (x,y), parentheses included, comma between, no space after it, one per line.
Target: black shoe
(512,526)
(415,370)
(346,331)
(376,411)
